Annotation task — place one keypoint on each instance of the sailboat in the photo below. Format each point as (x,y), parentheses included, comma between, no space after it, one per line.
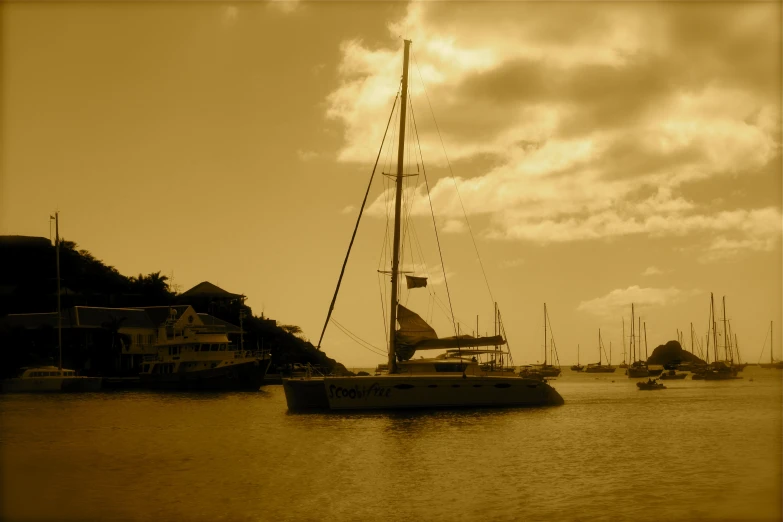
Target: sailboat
(637,368)
(600,368)
(577,367)
(772,364)
(52,378)
(546,369)
(719,370)
(435,382)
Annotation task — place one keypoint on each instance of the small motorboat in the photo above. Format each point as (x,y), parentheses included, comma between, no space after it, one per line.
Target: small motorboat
(651,384)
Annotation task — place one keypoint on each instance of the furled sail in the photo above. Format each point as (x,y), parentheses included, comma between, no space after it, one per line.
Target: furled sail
(415,334)
(415,281)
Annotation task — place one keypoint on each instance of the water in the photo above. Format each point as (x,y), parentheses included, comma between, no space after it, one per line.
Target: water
(700,450)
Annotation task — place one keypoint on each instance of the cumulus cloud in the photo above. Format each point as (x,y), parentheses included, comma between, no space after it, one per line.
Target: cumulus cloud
(652,270)
(595,122)
(617,301)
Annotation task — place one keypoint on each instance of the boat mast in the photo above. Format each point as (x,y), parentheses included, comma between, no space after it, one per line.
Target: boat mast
(714,327)
(59,313)
(691,338)
(770,343)
(397,208)
(623,343)
(599,347)
(726,337)
(632,344)
(545,335)
(640,338)
(646,356)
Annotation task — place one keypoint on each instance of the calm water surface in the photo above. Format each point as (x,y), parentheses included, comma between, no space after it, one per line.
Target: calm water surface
(696,451)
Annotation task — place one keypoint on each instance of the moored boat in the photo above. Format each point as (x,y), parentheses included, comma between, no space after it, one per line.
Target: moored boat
(50,379)
(650,384)
(200,357)
(439,382)
(672,374)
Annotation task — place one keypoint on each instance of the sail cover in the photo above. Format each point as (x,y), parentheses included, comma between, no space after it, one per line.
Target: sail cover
(415,281)
(415,334)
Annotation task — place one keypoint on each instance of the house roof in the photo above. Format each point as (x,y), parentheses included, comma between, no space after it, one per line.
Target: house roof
(160,314)
(207,289)
(33,321)
(211,320)
(89,316)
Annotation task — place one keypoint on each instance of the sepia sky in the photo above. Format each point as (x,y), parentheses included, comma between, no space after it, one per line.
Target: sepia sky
(604,153)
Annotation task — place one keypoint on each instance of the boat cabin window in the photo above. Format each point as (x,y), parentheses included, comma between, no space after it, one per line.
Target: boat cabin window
(222,347)
(204,347)
(213,347)
(450,367)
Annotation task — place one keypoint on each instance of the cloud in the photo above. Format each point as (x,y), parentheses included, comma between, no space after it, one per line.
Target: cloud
(347,210)
(230,14)
(512,263)
(284,6)
(306,155)
(652,270)
(593,124)
(617,301)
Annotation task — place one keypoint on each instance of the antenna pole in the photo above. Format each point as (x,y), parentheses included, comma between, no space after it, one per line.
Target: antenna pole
(397,212)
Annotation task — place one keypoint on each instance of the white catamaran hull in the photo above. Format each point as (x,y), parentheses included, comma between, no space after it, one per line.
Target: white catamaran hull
(52,384)
(406,392)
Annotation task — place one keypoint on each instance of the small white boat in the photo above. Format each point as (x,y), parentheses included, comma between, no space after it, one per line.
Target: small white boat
(50,379)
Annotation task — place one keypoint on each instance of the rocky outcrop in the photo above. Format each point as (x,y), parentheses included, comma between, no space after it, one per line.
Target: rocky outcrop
(671,353)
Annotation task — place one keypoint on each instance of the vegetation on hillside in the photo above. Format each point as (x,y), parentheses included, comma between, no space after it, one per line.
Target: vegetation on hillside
(28,284)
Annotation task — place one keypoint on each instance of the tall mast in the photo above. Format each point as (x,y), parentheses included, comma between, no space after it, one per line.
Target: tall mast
(714,328)
(624,358)
(599,347)
(645,344)
(640,338)
(691,338)
(59,313)
(544,334)
(726,335)
(770,343)
(633,339)
(397,208)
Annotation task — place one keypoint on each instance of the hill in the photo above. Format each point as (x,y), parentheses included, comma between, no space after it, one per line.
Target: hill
(28,284)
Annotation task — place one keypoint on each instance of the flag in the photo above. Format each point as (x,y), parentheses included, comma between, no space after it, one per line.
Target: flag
(415,282)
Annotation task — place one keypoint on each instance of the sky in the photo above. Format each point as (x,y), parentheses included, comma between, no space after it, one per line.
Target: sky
(584,155)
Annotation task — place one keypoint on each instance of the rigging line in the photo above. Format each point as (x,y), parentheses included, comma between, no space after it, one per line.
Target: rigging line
(354,339)
(762,347)
(552,345)
(358,220)
(503,330)
(437,237)
(345,329)
(470,230)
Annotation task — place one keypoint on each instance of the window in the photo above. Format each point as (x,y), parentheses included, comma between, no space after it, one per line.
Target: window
(502,385)
(222,347)
(450,367)
(213,347)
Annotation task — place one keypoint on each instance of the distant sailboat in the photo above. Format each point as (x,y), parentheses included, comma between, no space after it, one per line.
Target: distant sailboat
(577,367)
(600,368)
(548,370)
(772,364)
(637,368)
